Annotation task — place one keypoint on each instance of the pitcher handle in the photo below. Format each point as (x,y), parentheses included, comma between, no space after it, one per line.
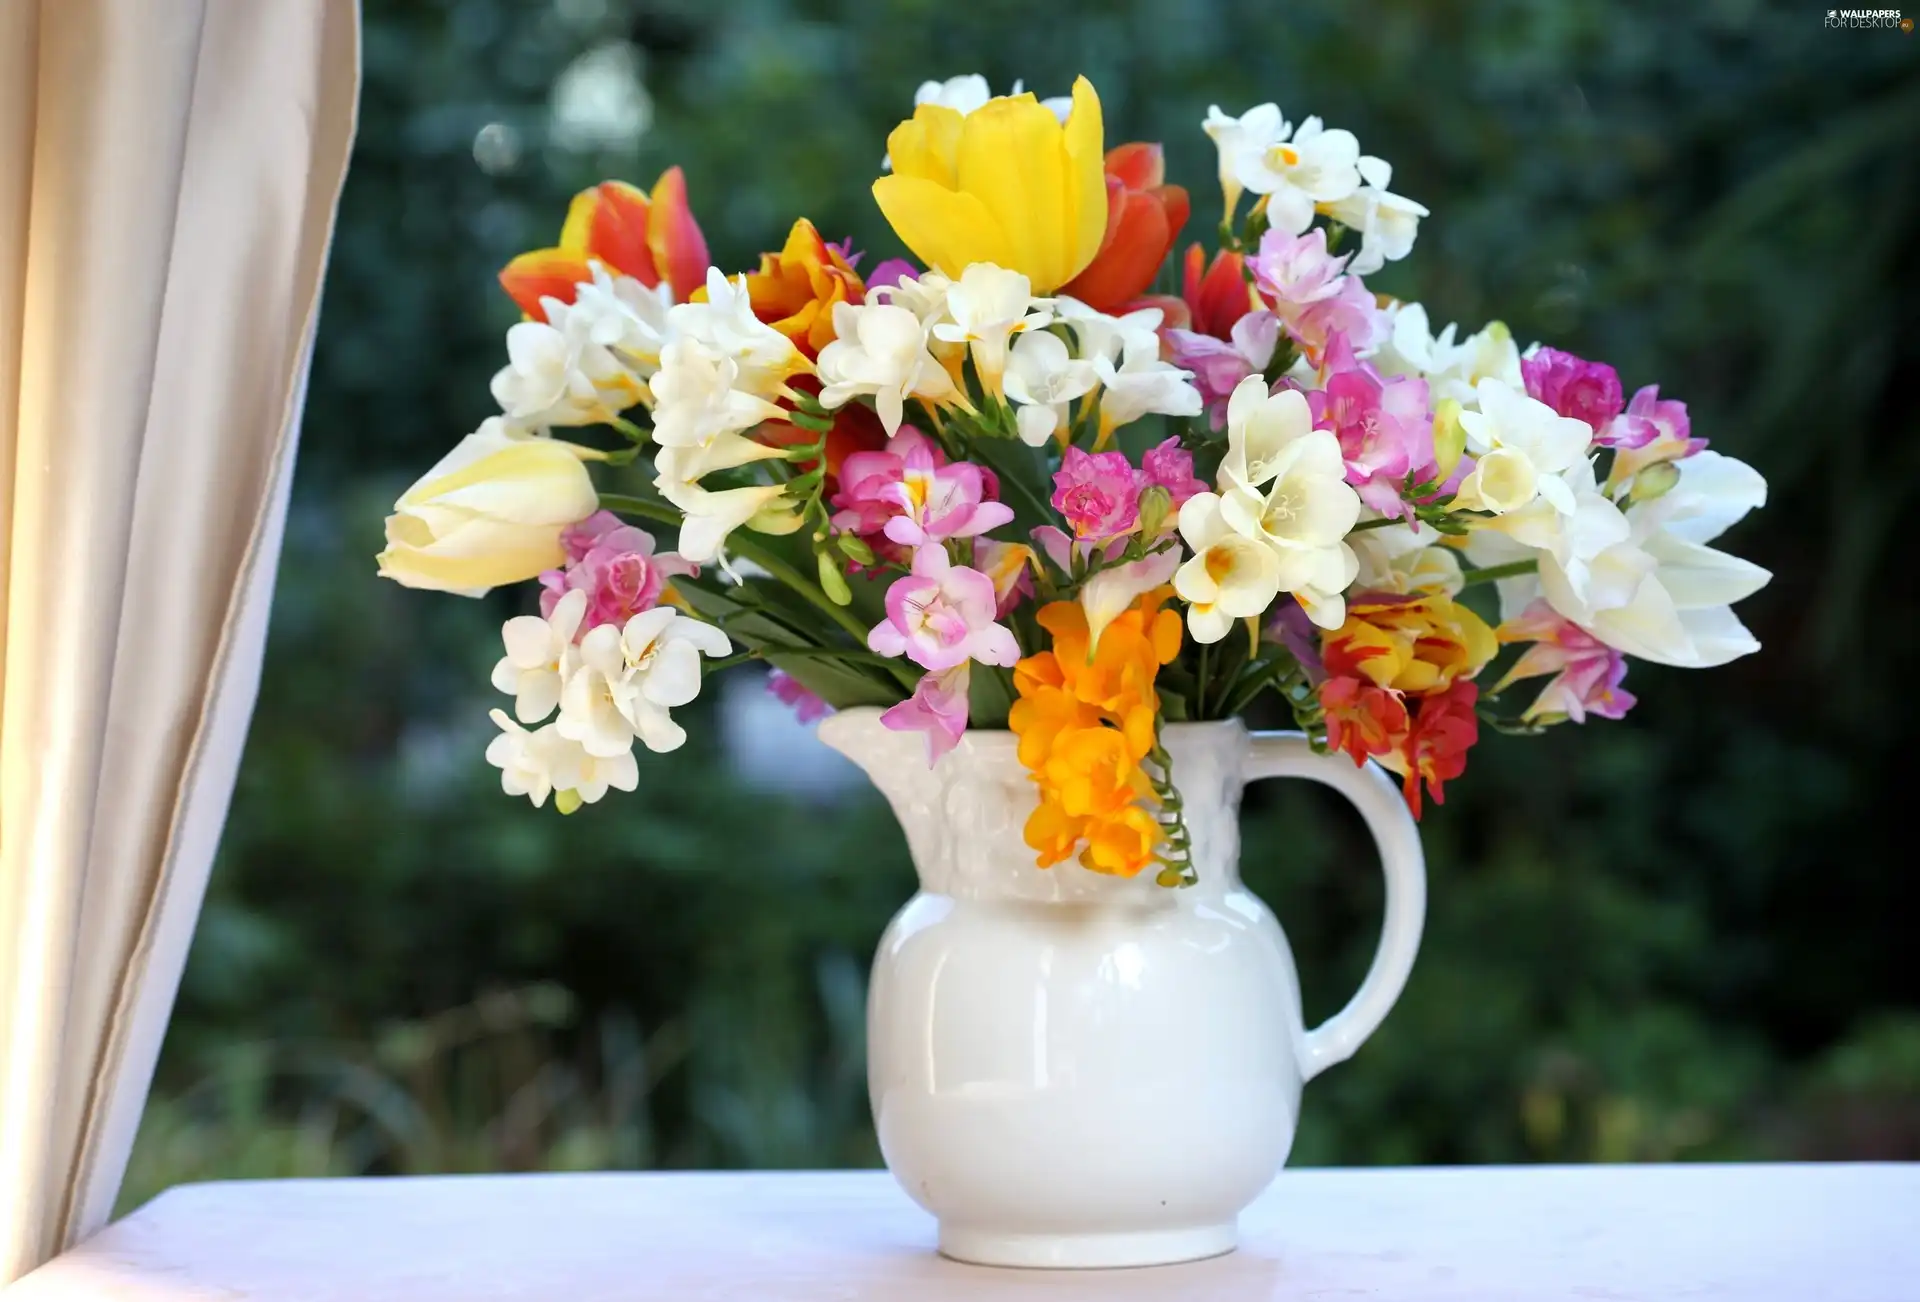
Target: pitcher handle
(1288,755)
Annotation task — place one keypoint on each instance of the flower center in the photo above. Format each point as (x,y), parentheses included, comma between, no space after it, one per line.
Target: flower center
(1281,157)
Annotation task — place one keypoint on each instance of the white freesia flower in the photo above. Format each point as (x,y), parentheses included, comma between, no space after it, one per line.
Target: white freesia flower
(1260,425)
(539,655)
(1250,135)
(1656,590)
(880,349)
(1452,370)
(1305,516)
(1523,448)
(726,324)
(962,94)
(620,314)
(537,764)
(712,515)
(1307,167)
(1043,377)
(628,679)
(924,295)
(1111,337)
(1143,384)
(1397,558)
(555,375)
(1387,222)
(1230,575)
(986,307)
(698,395)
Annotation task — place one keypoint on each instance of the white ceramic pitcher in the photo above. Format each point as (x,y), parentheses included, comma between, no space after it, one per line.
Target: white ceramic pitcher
(1075,1070)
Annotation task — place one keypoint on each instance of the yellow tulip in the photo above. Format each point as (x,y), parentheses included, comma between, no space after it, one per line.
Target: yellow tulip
(490,513)
(1006,184)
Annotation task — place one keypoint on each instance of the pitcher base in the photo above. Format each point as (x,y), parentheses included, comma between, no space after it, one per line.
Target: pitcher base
(1086,1251)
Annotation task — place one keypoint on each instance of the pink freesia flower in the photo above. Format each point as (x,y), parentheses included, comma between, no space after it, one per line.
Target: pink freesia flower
(938,708)
(1385,427)
(615,565)
(1010,566)
(1098,493)
(1573,386)
(1651,429)
(1219,364)
(807,707)
(1170,466)
(1587,672)
(941,615)
(1311,294)
(909,494)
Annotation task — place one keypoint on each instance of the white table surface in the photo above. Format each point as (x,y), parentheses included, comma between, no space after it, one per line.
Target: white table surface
(1475,1234)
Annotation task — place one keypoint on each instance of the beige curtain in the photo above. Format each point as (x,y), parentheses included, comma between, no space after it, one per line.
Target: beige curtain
(168,176)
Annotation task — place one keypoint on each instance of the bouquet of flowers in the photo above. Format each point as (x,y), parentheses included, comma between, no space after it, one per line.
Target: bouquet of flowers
(1008,485)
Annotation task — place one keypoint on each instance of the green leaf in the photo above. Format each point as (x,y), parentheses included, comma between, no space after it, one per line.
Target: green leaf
(990,696)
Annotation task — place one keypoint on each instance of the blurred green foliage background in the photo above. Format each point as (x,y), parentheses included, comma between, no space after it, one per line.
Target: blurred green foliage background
(1682,936)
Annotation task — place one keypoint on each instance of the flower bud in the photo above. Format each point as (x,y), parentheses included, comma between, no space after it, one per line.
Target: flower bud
(1449,436)
(854,548)
(489,514)
(1156,505)
(1655,481)
(832,582)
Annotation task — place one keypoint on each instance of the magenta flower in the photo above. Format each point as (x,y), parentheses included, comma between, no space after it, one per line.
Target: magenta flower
(892,272)
(614,564)
(1170,466)
(1587,672)
(807,707)
(1218,364)
(942,615)
(1385,427)
(938,708)
(1573,386)
(1311,294)
(1098,493)
(910,495)
(1653,428)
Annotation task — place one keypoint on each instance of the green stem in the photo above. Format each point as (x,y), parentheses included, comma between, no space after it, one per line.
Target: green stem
(743,544)
(1494,573)
(1200,682)
(1381,523)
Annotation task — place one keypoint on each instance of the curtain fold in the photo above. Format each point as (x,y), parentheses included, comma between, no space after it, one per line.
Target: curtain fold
(169,171)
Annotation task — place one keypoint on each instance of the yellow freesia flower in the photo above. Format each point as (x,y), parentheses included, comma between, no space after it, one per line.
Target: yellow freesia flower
(1007,183)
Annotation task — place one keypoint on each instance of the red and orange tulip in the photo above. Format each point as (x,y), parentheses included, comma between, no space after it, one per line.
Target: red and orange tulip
(1144,217)
(651,237)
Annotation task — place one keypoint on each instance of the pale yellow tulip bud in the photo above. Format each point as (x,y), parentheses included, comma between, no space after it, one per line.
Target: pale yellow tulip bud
(490,513)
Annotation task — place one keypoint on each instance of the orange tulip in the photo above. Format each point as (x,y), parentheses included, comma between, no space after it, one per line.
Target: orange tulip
(1144,218)
(631,233)
(795,289)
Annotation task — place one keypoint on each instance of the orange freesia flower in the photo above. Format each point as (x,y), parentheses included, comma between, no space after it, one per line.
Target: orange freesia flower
(795,289)
(1144,217)
(1085,720)
(631,233)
